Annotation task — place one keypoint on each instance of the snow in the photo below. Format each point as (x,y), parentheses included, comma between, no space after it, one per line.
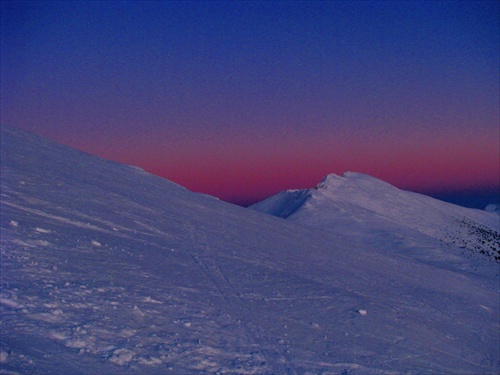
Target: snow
(493,207)
(343,204)
(106,269)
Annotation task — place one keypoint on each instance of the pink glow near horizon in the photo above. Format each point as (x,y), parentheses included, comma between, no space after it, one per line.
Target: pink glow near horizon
(260,169)
(243,99)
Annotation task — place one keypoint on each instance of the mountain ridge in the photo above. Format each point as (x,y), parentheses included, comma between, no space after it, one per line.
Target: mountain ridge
(356,198)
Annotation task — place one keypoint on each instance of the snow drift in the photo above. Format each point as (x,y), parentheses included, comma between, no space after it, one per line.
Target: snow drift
(106,269)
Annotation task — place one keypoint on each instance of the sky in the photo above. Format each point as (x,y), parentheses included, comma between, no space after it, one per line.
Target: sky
(243,99)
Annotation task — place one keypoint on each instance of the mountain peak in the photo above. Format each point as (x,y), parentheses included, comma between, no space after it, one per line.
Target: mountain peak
(355,198)
(331,181)
(354,179)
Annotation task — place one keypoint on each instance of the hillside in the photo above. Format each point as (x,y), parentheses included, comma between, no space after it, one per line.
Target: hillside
(106,269)
(357,202)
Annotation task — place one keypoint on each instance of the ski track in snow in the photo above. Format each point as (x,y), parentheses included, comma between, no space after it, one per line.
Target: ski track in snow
(102,305)
(113,320)
(236,305)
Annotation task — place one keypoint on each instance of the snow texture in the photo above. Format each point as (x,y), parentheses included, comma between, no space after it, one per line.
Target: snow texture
(106,269)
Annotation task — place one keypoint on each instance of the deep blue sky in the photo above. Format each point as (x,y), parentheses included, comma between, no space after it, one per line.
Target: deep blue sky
(243,99)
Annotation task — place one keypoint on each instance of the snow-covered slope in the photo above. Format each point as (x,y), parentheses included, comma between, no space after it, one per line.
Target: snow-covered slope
(106,269)
(355,200)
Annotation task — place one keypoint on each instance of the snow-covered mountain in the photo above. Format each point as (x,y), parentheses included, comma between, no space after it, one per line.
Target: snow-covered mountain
(352,201)
(106,269)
